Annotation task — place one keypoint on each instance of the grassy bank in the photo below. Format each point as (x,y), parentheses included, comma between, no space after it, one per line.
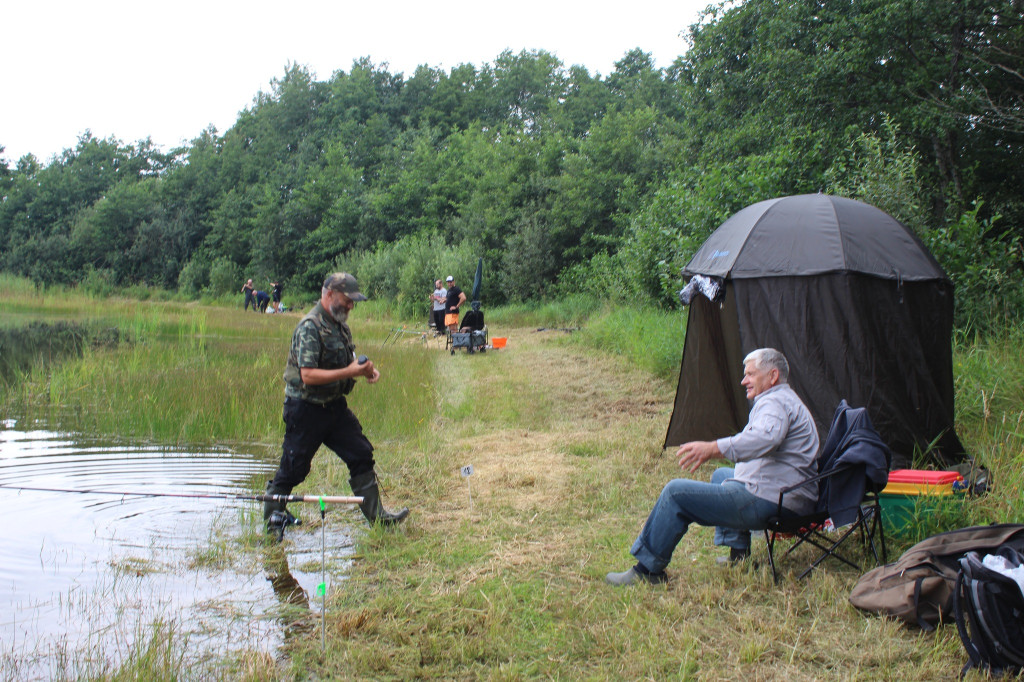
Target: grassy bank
(500,576)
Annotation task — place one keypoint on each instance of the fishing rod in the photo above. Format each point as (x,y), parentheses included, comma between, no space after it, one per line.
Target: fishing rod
(318,499)
(395,334)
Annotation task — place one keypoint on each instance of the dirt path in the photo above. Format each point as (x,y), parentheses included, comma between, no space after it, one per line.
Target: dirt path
(543,422)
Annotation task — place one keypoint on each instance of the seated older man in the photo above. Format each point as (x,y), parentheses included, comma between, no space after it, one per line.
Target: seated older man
(776,449)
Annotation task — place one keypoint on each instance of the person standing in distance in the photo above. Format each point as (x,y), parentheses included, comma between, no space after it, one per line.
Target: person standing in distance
(276,295)
(250,295)
(455,298)
(321,370)
(438,298)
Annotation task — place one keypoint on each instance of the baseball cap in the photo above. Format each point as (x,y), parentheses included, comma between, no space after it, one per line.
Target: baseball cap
(346,284)
(450,279)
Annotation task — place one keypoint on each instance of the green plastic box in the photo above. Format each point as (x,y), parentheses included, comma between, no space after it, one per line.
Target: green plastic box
(902,513)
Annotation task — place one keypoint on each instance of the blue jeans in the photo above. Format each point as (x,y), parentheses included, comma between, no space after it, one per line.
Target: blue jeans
(726,505)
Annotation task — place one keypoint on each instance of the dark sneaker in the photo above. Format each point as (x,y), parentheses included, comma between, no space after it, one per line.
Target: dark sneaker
(735,557)
(633,576)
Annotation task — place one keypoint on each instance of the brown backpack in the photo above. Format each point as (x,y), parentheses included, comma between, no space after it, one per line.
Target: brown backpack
(918,587)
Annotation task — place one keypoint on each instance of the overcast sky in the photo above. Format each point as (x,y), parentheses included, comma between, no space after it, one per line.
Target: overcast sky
(134,69)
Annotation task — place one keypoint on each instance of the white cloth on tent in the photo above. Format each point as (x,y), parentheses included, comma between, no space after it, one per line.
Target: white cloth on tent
(999,564)
(709,286)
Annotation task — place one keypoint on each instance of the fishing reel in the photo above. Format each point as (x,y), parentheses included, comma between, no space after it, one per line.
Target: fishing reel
(279,520)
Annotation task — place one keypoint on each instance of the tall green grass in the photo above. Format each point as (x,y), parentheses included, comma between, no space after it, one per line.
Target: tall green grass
(190,374)
(990,418)
(652,339)
(572,311)
(17,287)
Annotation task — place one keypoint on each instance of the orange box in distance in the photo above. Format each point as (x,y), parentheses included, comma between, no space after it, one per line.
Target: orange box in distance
(498,342)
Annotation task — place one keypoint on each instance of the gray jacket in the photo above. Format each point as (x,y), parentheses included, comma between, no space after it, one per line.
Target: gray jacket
(776,448)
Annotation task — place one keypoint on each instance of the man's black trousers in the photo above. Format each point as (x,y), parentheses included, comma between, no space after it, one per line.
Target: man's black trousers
(307,427)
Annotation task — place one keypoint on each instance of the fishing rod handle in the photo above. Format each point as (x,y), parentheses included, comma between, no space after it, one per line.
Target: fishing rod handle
(328,499)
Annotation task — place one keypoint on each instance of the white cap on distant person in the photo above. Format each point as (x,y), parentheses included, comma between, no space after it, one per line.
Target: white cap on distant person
(450,279)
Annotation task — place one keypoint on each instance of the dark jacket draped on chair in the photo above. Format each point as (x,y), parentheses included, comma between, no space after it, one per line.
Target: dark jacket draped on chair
(852,440)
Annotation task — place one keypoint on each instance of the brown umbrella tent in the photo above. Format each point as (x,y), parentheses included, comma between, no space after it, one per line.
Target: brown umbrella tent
(854,300)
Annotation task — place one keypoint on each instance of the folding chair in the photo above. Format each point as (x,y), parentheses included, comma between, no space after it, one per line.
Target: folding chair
(853,468)
(472,333)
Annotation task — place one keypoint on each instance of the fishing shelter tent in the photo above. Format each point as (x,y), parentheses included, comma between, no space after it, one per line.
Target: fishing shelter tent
(854,300)
(474,319)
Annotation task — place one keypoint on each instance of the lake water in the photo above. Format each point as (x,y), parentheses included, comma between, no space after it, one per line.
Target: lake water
(85,575)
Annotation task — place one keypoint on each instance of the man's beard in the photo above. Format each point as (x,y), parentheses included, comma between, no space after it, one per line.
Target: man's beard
(339,312)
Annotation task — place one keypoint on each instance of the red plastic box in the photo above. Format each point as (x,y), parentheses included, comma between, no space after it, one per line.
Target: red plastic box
(922,482)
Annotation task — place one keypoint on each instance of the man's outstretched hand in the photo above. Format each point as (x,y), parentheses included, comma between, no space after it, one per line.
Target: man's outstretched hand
(692,455)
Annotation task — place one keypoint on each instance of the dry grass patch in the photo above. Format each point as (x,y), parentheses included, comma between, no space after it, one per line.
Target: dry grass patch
(518,469)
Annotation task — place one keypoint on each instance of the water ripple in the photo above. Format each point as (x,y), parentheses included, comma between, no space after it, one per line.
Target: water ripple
(75,563)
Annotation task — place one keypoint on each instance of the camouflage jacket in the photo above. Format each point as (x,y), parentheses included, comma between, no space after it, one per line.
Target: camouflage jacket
(319,341)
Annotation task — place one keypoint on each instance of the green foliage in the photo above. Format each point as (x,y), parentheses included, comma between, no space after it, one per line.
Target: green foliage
(649,337)
(38,344)
(624,154)
(194,277)
(565,312)
(986,269)
(405,271)
(983,262)
(225,277)
(528,262)
(12,285)
(117,233)
(42,207)
(98,282)
(676,218)
(882,169)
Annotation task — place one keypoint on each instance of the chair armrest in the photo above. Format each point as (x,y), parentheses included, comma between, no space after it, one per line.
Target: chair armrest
(808,481)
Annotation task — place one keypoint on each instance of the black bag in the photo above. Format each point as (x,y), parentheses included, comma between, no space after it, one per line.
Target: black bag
(918,587)
(989,611)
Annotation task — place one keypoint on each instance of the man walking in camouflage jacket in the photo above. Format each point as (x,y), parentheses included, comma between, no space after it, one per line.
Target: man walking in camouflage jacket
(322,369)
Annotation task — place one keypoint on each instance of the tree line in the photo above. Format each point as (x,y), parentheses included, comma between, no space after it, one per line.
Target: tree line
(564,181)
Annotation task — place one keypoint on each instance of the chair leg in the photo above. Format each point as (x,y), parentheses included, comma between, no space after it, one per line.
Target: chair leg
(830,551)
(874,511)
(881,534)
(867,532)
(770,541)
(878,527)
(868,523)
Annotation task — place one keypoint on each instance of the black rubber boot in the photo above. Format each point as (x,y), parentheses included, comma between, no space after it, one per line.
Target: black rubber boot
(365,486)
(276,516)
